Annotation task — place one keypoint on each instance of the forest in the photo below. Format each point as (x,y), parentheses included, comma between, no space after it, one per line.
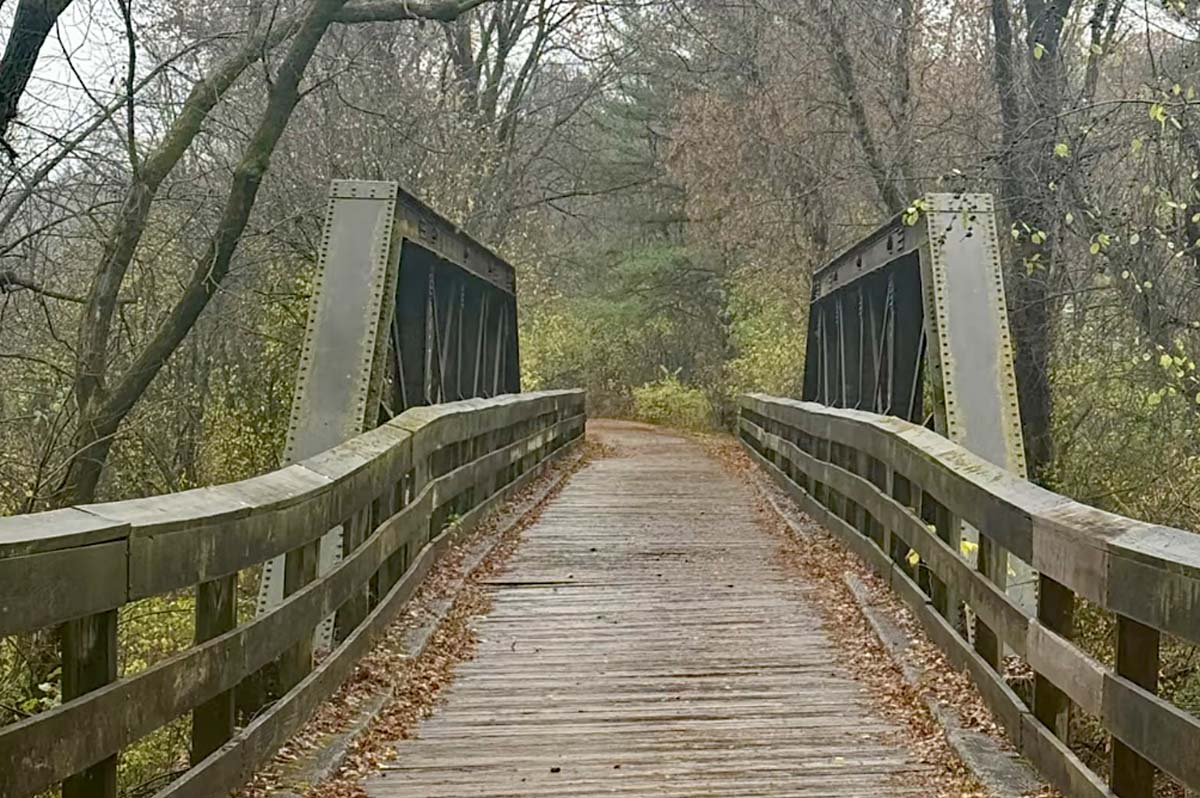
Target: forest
(664,174)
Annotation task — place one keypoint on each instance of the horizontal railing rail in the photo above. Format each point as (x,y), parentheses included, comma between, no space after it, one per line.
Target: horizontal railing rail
(890,489)
(400,492)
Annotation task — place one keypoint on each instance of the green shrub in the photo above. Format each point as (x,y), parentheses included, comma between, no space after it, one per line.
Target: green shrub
(669,402)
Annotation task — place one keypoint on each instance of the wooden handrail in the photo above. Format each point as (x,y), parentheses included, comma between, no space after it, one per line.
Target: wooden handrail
(401,492)
(888,488)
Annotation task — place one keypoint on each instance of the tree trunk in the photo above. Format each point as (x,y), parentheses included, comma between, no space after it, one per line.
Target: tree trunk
(847,82)
(31,25)
(1028,168)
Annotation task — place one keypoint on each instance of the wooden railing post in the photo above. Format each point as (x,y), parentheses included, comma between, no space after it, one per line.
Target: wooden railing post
(862,519)
(949,529)
(888,486)
(89,661)
(300,568)
(991,563)
(900,489)
(922,575)
(216,613)
(821,448)
(1138,661)
(876,472)
(354,531)
(1143,574)
(201,542)
(396,564)
(1055,611)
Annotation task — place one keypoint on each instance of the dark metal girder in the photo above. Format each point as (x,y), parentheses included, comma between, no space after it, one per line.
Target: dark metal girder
(424,226)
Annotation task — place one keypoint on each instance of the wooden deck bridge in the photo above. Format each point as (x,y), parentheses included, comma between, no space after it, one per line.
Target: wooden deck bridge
(644,640)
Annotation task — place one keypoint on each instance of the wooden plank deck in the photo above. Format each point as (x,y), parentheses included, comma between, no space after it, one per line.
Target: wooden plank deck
(644,641)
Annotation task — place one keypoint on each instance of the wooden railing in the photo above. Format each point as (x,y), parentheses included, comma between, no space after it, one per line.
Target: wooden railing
(400,492)
(888,488)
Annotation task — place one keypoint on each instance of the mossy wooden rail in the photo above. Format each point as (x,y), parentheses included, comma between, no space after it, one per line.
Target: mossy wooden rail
(888,488)
(401,492)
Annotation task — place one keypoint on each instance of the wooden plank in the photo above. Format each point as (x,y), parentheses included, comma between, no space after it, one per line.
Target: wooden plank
(1152,591)
(453,422)
(1137,660)
(705,672)
(53,744)
(1058,763)
(1053,757)
(860,545)
(1159,546)
(216,614)
(1152,571)
(55,529)
(367,463)
(46,588)
(996,608)
(999,697)
(1072,552)
(1056,612)
(963,481)
(181,540)
(89,662)
(1162,733)
(57,742)
(253,746)
(1078,546)
(1079,677)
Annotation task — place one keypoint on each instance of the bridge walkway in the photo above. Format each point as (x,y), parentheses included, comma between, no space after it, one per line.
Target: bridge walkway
(644,640)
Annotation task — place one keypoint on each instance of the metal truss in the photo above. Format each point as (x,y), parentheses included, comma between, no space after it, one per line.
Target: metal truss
(911,322)
(448,332)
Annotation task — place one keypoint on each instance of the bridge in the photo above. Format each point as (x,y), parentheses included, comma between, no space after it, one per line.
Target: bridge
(639,626)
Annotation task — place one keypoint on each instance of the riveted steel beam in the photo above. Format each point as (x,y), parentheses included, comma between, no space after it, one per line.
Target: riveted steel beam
(406,310)
(920,303)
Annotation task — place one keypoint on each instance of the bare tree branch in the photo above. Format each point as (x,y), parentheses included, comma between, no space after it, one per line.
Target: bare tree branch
(11,282)
(403,10)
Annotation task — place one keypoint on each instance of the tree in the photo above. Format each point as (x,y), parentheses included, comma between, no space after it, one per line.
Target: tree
(103,400)
(31,25)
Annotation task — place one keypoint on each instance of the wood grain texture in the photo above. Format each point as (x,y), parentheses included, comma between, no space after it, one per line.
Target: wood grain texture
(645,641)
(251,747)
(1098,552)
(1147,572)
(484,446)
(1054,760)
